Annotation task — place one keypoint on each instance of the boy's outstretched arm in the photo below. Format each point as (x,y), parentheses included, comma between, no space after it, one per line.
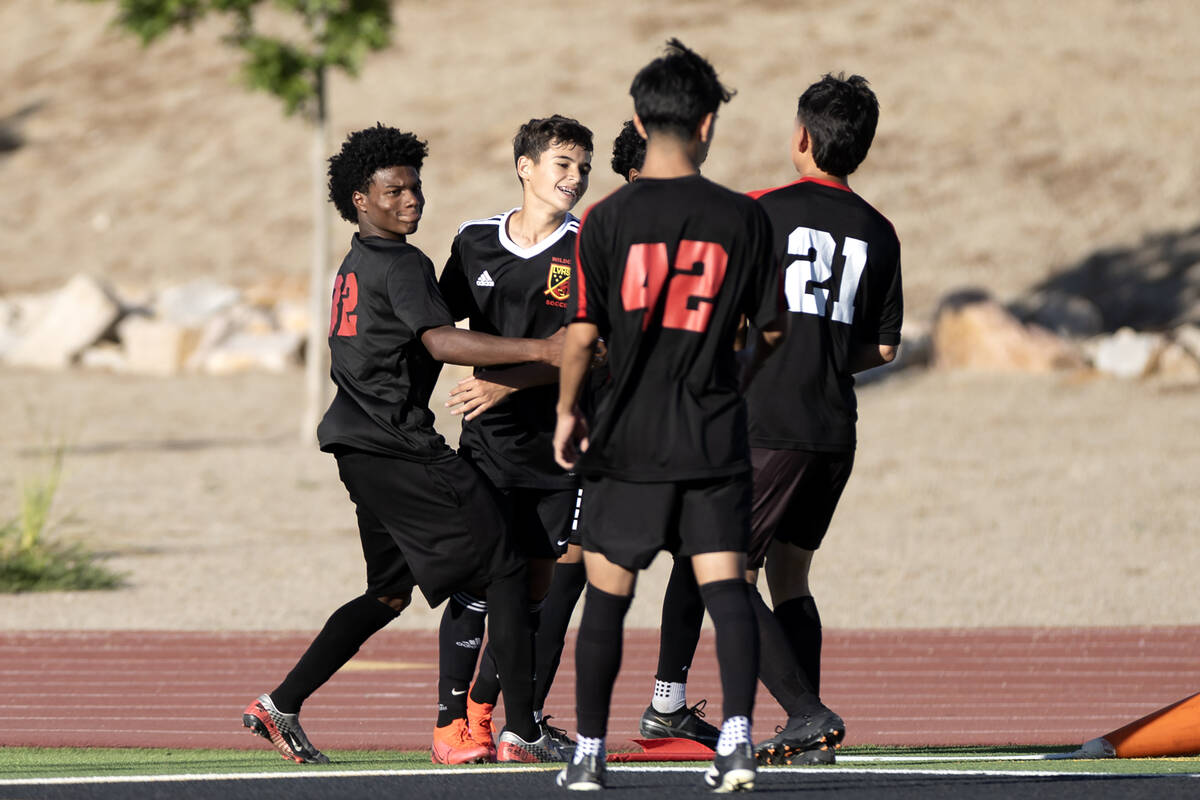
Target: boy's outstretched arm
(452,345)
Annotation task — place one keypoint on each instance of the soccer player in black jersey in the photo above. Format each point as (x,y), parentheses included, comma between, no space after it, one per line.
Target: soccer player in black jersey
(666,266)
(843,290)
(629,152)
(425,517)
(509,275)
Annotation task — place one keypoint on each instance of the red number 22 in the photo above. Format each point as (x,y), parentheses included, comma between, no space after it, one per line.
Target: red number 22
(691,290)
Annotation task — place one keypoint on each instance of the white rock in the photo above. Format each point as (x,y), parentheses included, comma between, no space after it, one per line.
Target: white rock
(1127,353)
(104,355)
(79,314)
(193,304)
(246,352)
(1176,364)
(155,346)
(1188,337)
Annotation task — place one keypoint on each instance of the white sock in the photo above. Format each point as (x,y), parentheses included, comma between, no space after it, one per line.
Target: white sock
(669,697)
(587,746)
(735,731)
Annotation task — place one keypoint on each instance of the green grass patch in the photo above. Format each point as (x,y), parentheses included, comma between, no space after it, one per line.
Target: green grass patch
(29,562)
(45,762)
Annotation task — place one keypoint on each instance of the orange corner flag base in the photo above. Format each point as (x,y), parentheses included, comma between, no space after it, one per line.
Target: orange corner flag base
(1170,731)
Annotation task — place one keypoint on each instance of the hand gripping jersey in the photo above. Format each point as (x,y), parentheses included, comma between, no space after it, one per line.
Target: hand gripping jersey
(666,268)
(841,262)
(508,290)
(384,297)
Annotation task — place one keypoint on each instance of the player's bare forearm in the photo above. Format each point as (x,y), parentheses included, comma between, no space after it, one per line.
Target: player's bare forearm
(452,345)
(868,356)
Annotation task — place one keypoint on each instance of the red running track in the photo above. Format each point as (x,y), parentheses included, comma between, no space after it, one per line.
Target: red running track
(909,687)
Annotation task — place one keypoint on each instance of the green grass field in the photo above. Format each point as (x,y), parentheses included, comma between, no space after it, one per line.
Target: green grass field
(39,762)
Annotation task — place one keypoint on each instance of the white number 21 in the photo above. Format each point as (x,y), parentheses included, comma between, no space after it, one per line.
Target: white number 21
(814,252)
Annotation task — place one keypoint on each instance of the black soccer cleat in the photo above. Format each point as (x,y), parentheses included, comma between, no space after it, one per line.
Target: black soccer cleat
(582,774)
(558,736)
(734,772)
(686,723)
(806,739)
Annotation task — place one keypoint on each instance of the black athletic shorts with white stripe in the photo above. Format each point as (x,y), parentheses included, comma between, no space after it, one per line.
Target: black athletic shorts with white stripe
(795,495)
(539,520)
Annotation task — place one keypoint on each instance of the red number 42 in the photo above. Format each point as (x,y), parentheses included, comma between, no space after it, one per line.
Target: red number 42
(691,288)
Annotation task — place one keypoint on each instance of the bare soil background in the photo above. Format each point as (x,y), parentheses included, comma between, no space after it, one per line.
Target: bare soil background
(1017,139)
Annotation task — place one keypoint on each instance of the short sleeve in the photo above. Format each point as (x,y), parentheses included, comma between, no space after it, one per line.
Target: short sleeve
(885,304)
(589,279)
(764,301)
(453,284)
(414,296)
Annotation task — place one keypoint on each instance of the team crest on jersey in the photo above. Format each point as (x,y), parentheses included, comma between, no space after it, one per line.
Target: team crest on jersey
(558,281)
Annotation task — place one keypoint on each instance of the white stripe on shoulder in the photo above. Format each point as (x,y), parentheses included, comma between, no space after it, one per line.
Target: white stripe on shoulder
(493,220)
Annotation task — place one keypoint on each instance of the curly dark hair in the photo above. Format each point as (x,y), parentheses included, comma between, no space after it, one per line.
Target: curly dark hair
(629,150)
(363,154)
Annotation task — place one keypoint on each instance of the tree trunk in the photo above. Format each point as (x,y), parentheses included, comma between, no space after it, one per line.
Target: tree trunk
(316,359)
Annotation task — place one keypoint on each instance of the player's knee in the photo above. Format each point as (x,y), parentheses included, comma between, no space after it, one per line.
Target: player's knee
(396,602)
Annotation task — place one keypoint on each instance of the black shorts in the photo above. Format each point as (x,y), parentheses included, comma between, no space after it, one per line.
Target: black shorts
(795,494)
(629,523)
(540,520)
(435,525)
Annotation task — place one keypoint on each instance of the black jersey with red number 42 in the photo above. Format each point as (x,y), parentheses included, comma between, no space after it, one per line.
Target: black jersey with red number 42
(841,262)
(666,269)
(508,290)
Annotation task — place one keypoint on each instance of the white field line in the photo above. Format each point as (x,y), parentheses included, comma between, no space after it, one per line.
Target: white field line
(399,773)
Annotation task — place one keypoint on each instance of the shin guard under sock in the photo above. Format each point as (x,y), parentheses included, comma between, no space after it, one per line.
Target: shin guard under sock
(802,624)
(460,637)
(682,616)
(728,604)
(598,659)
(486,688)
(777,665)
(344,632)
(565,589)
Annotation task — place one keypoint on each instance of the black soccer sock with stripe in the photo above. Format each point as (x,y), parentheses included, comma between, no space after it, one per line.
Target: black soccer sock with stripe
(682,616)
(345,631)
(565,589)
(802,624)
(728,603)
(510,639)
(598,659)
(777,667)
(460,636)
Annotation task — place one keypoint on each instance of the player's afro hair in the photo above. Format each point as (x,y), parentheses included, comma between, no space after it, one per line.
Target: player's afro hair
(363,154)
(675,91)
(840,114)
(629,150)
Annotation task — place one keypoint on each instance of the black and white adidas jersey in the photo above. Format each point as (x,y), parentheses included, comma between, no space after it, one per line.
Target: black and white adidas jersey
(508,290)
(841,261)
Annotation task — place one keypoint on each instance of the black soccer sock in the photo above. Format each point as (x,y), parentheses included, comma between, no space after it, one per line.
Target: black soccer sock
(802,624)
(728,604)
(777,666)
(486,688)
(459,638)
(682,616)
(598,659)
(565,589)
(344,632)
(510,640)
